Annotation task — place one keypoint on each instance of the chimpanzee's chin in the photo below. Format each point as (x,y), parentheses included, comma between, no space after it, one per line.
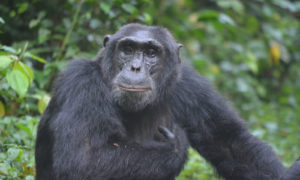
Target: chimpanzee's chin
(133,101)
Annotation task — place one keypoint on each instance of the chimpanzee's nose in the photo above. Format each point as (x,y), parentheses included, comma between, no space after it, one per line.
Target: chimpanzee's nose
(137,63)
(135,68)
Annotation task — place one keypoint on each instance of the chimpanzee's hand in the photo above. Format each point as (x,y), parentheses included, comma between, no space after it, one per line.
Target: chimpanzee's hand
(166,133)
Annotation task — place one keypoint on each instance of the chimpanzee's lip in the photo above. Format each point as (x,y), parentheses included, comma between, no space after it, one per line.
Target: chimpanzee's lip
(134,88)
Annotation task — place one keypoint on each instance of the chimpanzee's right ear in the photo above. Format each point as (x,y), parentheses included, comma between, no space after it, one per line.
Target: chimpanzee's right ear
(106,39)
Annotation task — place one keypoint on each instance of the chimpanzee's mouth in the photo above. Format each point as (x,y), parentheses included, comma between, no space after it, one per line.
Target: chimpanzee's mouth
(134,88)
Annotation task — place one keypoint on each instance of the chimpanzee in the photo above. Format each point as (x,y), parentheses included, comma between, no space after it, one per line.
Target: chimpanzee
(294,172)
(131,114)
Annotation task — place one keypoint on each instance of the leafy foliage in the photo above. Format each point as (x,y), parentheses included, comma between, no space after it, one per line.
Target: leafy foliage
(248,49)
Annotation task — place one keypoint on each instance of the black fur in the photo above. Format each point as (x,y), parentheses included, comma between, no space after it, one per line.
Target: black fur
(219,134)
(86,134)
(294,172)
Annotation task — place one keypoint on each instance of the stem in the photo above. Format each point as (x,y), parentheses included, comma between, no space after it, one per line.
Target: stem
(66,39)
(23,51)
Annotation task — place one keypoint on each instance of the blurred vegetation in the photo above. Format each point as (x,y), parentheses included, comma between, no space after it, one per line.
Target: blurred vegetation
(250,51)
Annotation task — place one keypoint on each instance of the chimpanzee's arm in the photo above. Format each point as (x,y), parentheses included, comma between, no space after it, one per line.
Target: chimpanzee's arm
(80,135)
(219,134)
(293,172)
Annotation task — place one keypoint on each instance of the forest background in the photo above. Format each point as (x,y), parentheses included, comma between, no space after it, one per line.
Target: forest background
(249,50)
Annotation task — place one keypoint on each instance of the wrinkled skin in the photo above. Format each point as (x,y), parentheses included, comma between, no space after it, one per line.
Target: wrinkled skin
(131,114)
(136,58)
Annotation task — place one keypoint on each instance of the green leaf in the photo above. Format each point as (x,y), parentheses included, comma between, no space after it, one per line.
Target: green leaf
(24,69)
(225,19)
(43,35)
(4,168)
(41,60)
(33,23)
(13,153)
(271,126)
(242,86)
(236,5)
(148,18)
(9,49)
(12,14)
(43,102)
(24,128)
(5,61)
(18,81)
(29,177)
(2,109)
(261,90)
(287,5)
(95,23)
(105,7)
(23,8)
(2,20)
(251,62)
(208,15)
(129,8)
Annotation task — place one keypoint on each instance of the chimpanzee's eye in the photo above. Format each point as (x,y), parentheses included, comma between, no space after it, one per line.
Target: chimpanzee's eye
(127,49)
(151,52)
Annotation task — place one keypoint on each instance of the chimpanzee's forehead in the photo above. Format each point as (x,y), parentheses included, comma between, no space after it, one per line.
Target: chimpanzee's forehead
(141,37)
(146,33)
(142,34)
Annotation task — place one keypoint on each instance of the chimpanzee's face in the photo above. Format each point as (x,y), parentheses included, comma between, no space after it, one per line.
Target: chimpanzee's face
(138,61)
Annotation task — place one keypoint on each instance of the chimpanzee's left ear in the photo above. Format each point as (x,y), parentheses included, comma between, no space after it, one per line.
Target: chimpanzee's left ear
(179,46)
(106,39)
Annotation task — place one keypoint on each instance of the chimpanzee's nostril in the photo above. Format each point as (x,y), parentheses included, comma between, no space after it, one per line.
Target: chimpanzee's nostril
(135,69)
(132,68)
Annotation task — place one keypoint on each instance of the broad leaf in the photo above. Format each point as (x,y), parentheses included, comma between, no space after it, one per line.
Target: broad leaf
(43,102)
(129,8)
(13,153)
(105,7)
(18,81)
(24,69)
(5,61)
